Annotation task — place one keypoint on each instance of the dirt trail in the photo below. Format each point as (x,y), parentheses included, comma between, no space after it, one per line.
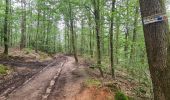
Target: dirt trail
(61,80)
(35,87)
(69,82)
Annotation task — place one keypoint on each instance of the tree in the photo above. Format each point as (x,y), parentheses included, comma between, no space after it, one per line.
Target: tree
(72,32)
(134,35)
(158,47)
(111,39)
(96,5)
(6,28)
(38,25)
(23,25)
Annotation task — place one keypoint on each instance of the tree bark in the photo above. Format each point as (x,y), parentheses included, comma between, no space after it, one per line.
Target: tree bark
(72,33)
(111,41)
(134,37)
(91,34)
(38,24)
(23,25)
(82,51)
(6,28)
(127,31)
(158,49)
(96,4)
(117,38)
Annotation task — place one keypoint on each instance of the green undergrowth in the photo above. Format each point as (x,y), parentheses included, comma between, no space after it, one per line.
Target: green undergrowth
(41,54)
(3,70)
(120,96)
(92,82)
(27,50)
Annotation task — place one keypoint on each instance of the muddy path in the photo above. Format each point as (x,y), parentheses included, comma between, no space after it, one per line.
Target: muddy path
(69,84)
(62,79)
(22,71)
(33,84)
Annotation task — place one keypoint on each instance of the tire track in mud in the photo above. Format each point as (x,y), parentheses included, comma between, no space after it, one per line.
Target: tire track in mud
(34,88)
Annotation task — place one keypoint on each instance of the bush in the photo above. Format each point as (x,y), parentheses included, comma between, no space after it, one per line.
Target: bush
(121,96)
(3,70)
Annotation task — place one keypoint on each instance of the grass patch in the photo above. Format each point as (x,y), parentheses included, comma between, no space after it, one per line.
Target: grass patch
(3,70)
(92,82)
(121,96)
(43,55)
(27,50)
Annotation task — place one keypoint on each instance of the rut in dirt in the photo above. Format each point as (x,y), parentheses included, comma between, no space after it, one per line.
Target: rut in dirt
(36,87)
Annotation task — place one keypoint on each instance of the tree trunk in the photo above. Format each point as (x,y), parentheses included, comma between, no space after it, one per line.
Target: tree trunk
(38,24)
(6,28)
(117,38)
(72,33)
(127,31)
(82,38)
(23,25)
(91,34)
(96,4)
(158,49)
(132,54)
(111,40)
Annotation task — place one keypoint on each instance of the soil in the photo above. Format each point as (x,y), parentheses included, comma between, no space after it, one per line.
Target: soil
(56,79)
(21,71)
(69,82)
(95,93)
(70,86)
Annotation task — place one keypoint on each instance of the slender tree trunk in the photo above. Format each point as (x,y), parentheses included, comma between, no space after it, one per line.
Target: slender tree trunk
(82,38)
(68,36)
(96,4)
(117,40)
(38,24)
(2,37)
(132,54)
(65,38)
(48,29)
(111,40)
(91,34)
(6,28)
(91,49)
(10,24)
(23,25)
(158,49)
(127,31)
(72,33)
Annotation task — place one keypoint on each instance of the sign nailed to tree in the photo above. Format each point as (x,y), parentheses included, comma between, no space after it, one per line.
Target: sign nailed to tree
(154,19)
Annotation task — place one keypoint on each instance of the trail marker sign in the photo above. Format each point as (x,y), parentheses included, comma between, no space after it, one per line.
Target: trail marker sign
(154,19)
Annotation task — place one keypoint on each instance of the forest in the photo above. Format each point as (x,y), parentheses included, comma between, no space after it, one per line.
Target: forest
(84,50)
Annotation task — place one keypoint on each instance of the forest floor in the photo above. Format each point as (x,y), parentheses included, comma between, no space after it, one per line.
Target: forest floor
(37,76)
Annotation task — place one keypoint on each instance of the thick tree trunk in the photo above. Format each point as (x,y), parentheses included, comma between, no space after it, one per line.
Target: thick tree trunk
(158,48)
(111,40)
(6,28)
